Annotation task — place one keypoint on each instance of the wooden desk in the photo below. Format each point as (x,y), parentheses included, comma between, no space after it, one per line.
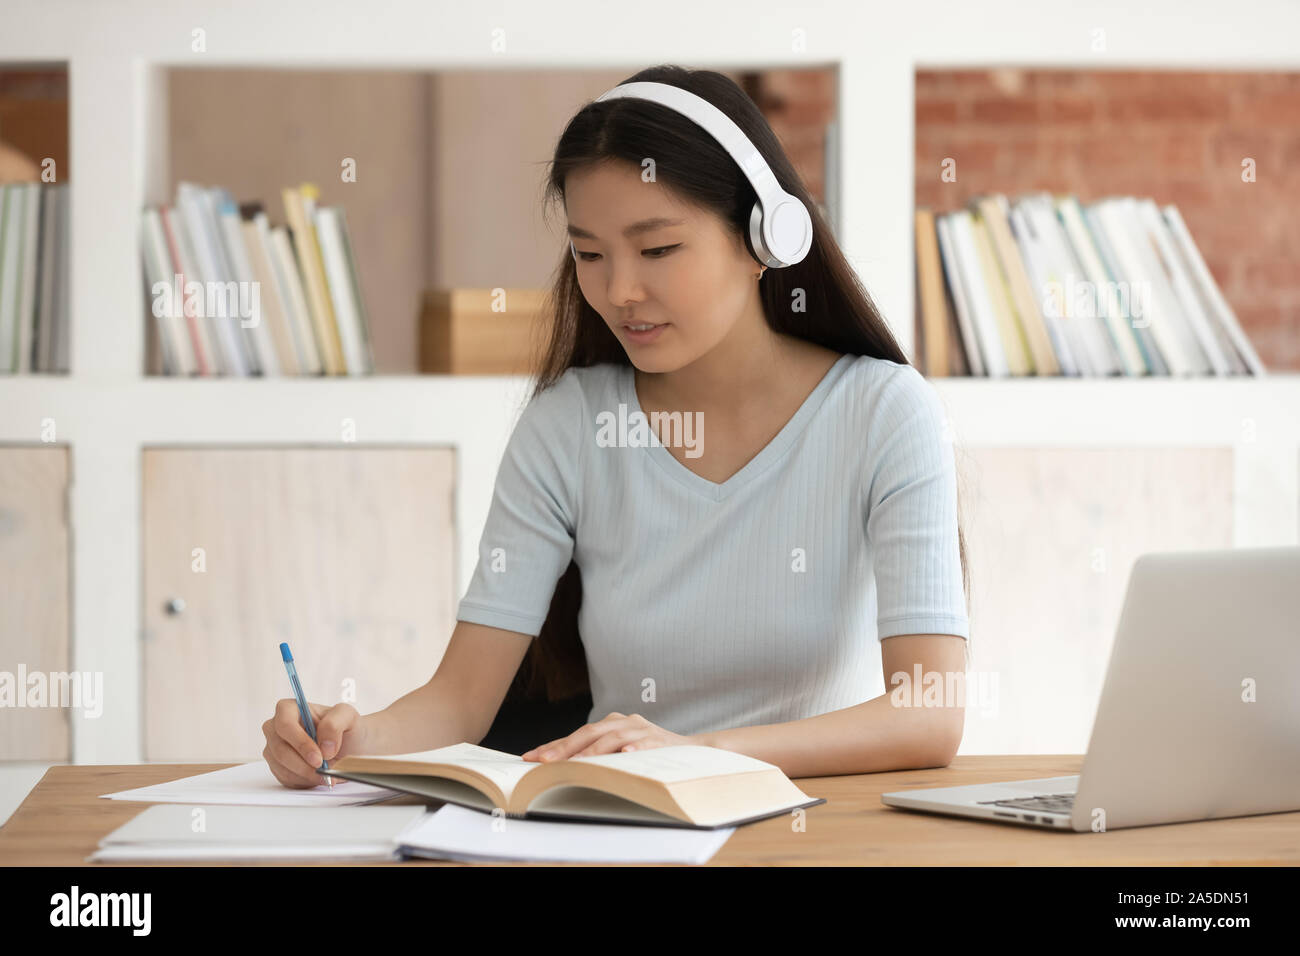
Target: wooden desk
(63,819)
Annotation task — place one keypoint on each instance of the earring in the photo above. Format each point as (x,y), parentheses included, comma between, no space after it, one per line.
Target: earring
(761,270)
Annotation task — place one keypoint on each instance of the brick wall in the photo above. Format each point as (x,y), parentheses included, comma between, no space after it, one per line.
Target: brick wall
(798,105)
(34,116)
(1176,137)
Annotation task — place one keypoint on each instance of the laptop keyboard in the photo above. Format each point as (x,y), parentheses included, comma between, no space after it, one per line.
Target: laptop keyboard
(1047,803)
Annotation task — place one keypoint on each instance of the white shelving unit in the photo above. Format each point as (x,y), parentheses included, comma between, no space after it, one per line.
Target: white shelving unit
(106,410)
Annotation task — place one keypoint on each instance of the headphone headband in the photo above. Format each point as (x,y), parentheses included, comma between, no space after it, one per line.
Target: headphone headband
(780,228)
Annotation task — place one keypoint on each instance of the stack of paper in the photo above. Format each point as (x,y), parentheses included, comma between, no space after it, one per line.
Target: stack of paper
(222,832)
(458,833)
(253,784)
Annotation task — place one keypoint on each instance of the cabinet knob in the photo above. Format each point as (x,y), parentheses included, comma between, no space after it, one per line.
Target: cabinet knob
(175,606)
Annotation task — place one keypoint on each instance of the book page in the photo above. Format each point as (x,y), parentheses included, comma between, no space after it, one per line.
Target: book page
(674,764)
(503,769)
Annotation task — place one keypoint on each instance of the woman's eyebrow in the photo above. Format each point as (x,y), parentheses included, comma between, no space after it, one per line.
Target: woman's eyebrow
(645,225)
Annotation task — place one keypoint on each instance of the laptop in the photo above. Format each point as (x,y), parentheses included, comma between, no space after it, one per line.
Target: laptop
(1199,716)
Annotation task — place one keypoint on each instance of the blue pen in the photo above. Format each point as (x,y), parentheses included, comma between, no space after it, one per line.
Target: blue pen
(303,710)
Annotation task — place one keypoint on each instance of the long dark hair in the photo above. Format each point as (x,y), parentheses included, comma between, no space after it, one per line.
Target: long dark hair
(840,314)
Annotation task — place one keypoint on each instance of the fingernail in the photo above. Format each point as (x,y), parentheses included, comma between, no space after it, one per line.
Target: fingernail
(328,749)
(314,760)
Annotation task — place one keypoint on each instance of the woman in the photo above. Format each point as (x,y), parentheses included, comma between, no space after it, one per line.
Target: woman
(721,582)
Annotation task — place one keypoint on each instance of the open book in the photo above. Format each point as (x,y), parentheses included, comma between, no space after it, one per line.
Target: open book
(690,786)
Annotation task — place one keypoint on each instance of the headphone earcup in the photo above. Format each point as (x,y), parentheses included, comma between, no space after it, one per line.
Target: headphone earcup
(784,237)
(788,231)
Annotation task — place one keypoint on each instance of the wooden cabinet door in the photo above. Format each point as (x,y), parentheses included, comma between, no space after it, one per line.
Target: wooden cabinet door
(34,598)
(347,554)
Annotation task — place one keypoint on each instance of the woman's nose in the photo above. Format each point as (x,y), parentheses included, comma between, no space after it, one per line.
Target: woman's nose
(623,284)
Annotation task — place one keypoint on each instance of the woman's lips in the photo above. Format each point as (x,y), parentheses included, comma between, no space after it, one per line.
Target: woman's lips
(643,336)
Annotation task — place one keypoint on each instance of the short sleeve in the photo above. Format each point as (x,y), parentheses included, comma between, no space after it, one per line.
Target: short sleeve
(527,541)
(911,512)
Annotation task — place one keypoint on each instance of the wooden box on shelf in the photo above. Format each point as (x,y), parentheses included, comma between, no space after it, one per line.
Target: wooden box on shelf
(467,332)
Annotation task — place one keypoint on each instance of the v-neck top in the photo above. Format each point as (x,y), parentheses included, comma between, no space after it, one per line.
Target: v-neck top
(770,453)
(760,599)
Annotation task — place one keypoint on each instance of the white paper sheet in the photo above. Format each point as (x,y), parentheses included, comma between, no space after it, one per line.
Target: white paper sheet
(233,851)
(458,833)
(223,832)
(253,784)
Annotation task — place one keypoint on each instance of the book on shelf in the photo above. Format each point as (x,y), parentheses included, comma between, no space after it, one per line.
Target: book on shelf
(33,277)
(679,786)
(228,293)
(1046,285)
(349,310)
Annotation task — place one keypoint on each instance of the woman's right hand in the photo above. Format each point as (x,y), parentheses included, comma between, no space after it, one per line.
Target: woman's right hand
(291,753)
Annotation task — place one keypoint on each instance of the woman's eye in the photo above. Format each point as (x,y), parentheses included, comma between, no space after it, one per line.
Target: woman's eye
(657,253)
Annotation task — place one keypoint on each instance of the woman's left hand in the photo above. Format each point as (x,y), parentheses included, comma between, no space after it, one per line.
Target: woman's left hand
(616,732)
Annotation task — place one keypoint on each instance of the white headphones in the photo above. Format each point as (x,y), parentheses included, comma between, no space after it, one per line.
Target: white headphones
(780,228)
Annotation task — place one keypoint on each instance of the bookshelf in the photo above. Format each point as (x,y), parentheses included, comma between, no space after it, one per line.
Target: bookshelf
(1109,166)
(107,410)
(34,177)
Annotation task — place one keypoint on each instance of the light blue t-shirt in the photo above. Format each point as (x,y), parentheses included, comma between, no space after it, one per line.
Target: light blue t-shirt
(759,600)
